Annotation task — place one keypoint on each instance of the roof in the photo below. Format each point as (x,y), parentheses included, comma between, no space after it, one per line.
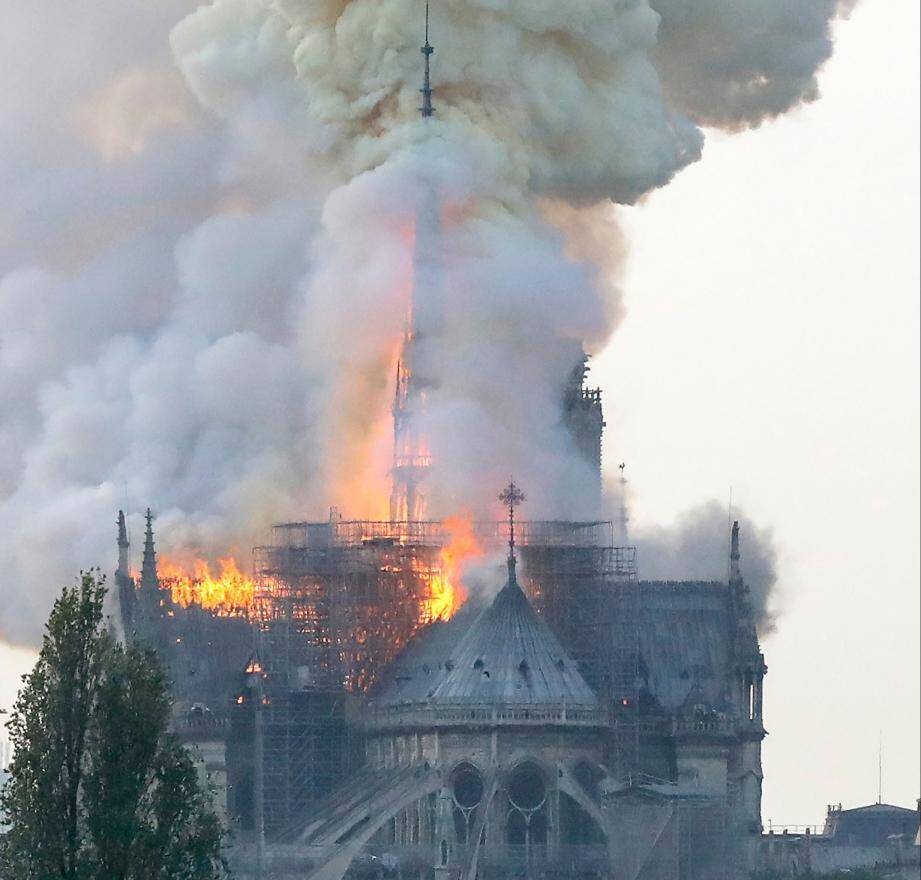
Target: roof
(510,656)
(871,825)
(685,634)
(507,656)
(421,665)
(877,810)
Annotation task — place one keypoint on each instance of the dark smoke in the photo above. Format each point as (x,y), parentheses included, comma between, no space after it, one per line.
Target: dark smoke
(734,63)
(696,547)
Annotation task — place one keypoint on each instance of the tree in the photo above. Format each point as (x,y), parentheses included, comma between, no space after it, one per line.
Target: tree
(98,788)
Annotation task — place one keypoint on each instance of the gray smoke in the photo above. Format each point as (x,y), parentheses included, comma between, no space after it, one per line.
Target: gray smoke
(696,547)
(733,65)
(206,246)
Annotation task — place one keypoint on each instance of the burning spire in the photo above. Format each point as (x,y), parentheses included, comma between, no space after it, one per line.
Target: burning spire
(427,50)
(411,455)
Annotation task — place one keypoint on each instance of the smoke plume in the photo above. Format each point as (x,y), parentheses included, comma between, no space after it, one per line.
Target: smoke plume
(207,245)
(696,547)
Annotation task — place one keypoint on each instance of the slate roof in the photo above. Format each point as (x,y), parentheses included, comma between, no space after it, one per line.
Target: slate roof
(415,672)
(685,634)
(685,631)
(871,825)
(507,656)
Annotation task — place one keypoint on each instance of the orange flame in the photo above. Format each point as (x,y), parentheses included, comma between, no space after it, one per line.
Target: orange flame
(227,592)
(448,593)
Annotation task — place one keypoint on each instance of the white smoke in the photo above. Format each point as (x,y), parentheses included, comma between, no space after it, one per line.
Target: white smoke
(206,245)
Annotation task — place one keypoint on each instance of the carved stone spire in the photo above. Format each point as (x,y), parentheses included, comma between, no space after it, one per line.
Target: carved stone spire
(123,546)
(149,579)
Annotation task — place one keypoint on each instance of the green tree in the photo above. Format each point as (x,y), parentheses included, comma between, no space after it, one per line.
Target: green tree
(98,788)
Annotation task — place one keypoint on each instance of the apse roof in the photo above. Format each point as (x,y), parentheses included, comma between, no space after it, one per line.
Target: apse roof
(507,656)
(510,656)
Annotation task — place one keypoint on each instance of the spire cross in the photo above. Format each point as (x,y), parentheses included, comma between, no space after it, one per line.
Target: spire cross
(511,496)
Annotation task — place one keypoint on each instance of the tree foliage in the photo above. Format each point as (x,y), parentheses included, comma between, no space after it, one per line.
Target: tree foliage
(98,788)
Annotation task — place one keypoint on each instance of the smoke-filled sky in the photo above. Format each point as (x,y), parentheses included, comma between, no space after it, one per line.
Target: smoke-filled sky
(206,254)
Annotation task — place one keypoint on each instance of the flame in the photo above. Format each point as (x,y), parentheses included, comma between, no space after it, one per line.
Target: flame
(229,591)
(448,593)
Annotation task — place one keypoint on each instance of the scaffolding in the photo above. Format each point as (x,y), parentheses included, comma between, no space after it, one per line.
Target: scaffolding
(590,596)
(336,601)
(305,747)
(335,616)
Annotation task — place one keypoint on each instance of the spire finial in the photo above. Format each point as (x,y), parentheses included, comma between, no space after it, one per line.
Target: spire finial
(427,109)
(624,520)
(511,496)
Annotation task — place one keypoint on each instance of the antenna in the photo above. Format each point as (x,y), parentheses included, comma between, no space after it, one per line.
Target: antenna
(879,790)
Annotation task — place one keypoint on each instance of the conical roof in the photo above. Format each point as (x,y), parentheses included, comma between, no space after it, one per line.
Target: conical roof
(509,656)
(423,664)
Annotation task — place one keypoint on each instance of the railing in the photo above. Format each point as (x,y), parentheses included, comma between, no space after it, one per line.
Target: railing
(423,715)
(817,830)
(491,534)
(200,724)
(720,726)
(412,461)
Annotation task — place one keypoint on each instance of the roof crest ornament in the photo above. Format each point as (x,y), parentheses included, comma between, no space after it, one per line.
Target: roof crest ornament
(511,497)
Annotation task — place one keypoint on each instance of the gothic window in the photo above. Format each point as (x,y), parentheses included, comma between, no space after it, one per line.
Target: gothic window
(467,789)
(526,824)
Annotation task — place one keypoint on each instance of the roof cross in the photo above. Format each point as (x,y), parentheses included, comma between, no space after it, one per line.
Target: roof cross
(511,497)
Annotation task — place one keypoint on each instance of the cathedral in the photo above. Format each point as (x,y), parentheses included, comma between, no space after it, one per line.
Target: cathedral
(573,726)
(352,722)
(487,753)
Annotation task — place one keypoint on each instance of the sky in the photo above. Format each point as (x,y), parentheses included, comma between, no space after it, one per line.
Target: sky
(770,350)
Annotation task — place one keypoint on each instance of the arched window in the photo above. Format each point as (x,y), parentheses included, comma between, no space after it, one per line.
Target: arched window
(467,789)
(516,831)
(537,829)
(526,824)
(526,788)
